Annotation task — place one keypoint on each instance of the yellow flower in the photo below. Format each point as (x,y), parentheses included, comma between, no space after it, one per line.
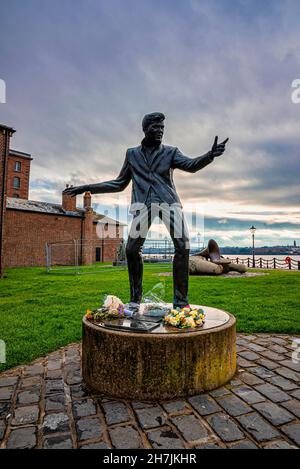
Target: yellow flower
(189,322)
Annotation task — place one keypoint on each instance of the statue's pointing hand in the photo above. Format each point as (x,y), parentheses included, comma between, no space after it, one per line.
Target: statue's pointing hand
(218,148)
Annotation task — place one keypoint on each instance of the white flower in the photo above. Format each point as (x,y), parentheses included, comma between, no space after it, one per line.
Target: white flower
(112,302)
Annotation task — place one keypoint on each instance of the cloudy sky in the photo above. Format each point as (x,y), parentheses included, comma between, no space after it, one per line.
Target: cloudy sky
(80,75)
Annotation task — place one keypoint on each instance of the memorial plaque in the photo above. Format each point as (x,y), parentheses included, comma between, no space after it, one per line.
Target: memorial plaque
(132,325)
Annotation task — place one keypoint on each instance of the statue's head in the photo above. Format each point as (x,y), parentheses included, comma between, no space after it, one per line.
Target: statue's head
(153,126)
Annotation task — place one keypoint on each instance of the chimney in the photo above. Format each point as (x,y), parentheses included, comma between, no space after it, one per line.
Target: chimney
(68,202)
(87,200)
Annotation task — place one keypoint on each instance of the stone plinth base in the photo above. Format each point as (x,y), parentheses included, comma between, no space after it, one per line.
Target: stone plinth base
(163,364)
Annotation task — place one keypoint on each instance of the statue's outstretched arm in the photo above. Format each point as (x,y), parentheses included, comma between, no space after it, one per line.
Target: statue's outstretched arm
(192,165)
(115,185)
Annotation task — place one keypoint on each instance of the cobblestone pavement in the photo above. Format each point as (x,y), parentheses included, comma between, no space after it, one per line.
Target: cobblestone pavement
(45,405)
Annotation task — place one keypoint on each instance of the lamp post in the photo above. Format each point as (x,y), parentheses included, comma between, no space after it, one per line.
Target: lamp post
(199,239)
(252,230)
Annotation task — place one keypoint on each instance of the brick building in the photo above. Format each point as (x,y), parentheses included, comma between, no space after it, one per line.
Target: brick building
(75,235)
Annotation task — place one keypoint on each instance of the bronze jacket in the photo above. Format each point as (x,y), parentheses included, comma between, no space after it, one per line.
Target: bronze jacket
(156,173)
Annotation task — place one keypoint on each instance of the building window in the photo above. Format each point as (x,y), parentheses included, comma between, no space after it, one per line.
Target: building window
(18,166)
(16,196)
(17,182)
(106,227)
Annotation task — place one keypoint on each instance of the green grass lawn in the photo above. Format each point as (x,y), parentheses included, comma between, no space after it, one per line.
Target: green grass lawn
(41,312)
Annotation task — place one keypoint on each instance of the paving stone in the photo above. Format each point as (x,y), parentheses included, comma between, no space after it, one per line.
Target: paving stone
(54,386)
(58,442)
(54,374)
(79,390)
(283,383)
(244,363)
(151,417)
(34,381)
(26,415)
(272,412)
(225,427)
(125,438)
(174,406)
(258,427)
(101,445)
(204,404)
(278,349)
(278,340)
(22,438)
(141,405)
(289,374)
(88,428)
(261,372)
(244,444)
(250,337)
(256,347)
(273,355)
(190,427)
(234,382)
(73,374)
(267,363)
(7,381)
(296,394)
(2,428)
(292,430)
(249,395)
(33,370)
(84,408)
(209,446)
(165,438)
(250,379)
(115,412)
(240,341)
(55,402)
(56,422)
(272,393)
(233,405)
(249,355)
(219,392)
(6,393)
(54,365)
(29,396)
(4,409)
(291,365)
(293,406)
(279,444)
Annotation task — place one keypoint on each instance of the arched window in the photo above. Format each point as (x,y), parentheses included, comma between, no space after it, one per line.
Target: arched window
(16,196)
(17,182)
(18,166)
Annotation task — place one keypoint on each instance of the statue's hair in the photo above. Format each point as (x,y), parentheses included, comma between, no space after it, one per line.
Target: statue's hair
(153,117)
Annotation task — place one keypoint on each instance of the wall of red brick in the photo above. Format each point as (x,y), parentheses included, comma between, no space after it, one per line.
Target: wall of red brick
(24,176)
(26,234)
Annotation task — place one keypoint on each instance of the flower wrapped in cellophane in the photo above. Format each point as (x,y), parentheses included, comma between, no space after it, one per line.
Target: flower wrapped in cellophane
(188,317)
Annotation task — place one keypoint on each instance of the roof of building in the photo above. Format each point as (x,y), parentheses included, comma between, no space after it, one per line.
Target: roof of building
(36,206)
(20,154)
(54,209)
(6,127)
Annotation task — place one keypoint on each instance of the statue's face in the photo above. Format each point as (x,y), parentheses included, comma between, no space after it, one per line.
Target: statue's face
(155,131)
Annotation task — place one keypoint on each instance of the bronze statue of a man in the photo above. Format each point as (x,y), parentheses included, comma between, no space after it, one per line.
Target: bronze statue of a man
(150,168)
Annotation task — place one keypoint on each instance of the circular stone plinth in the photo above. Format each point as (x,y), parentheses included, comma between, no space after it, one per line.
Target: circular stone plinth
(162,364)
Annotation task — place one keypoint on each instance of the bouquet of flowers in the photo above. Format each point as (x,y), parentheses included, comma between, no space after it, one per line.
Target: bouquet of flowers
(185,317)
(112,308)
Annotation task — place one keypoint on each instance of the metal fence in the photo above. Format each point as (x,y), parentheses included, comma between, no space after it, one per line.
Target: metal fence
(274,263)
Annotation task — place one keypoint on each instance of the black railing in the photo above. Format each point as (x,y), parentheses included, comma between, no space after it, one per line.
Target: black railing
(274,263)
